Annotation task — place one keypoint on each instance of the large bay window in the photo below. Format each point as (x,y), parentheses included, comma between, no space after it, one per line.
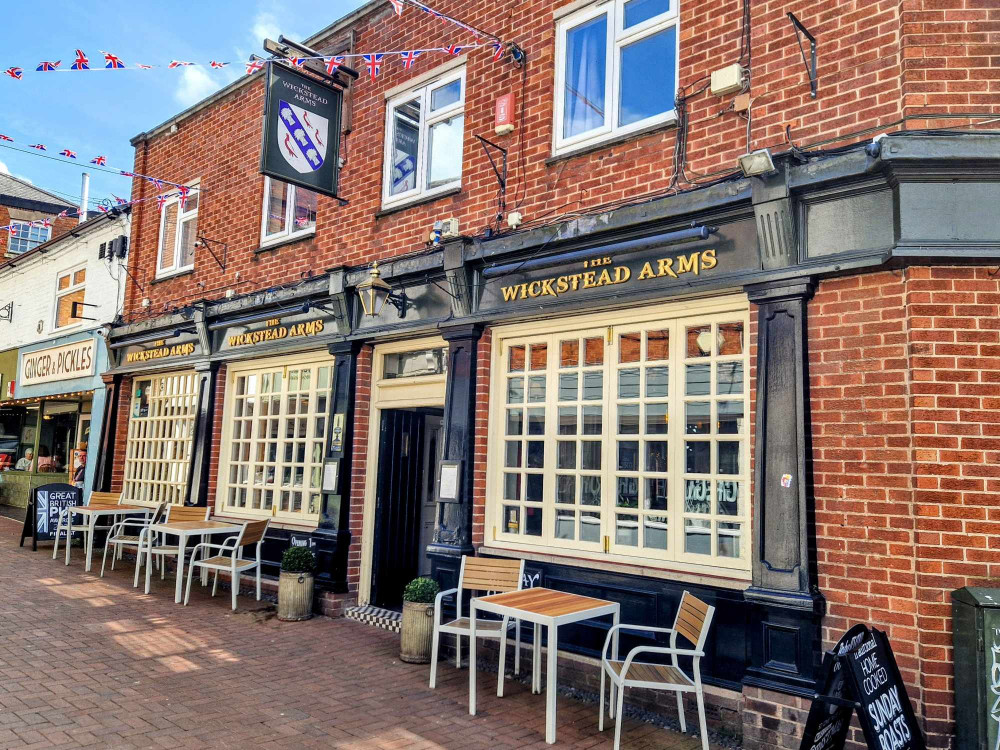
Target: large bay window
(616,70)
(160,433)
(274,437)
(628,440)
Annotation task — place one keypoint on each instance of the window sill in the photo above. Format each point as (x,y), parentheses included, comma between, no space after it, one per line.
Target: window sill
(67,329)
(275,523)
(172,275)
(419,200)
(612,140)
(736,580)
(285,242)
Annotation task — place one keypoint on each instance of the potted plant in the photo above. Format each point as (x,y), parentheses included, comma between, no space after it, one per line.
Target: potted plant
(295,584)
(417,627)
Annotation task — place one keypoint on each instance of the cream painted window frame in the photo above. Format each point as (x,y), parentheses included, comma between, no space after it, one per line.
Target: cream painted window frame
(313,360)
(71,289)
(183,217)
(677,315)
(157,458)
(288,233)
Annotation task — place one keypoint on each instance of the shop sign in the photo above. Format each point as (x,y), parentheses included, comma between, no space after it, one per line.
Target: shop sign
(301,142)
(159,350)
(66,362)
(273,330)
(41,518)
(731,250)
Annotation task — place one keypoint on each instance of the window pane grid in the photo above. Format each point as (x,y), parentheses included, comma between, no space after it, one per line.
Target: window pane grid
(160,432)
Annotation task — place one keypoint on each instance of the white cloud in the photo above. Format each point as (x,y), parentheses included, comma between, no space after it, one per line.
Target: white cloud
(3,168)
(265,26)
(195,84)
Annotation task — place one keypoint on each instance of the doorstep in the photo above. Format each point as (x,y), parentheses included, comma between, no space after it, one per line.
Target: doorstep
(386,619)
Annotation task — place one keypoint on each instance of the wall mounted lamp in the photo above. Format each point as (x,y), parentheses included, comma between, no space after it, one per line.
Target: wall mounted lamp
(374,293)
(757,163)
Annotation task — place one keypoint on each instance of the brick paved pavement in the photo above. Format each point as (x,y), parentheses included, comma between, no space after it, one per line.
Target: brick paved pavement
(91,662)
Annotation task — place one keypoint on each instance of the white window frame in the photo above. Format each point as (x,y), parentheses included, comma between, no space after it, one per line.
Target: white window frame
(313,361)
(289,232)
(427,120)
(159,445)
(617,39)
(60,293)
(680,315)
(183,217)
(46,231)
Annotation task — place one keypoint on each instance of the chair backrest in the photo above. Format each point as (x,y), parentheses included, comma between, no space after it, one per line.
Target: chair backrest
(159,513)
(693,619)
(188,513)
(105,498)
(253,532)
(491,574)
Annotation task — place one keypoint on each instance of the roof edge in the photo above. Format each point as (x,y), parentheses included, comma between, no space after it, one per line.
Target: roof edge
(76,231)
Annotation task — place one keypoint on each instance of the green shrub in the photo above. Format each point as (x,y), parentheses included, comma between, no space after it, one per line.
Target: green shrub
(421,590)
(298,560)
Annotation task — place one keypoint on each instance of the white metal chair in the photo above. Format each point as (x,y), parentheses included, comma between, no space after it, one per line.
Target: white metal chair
(161,550)
(493,576)
(229,558)
(693,620)
(121,535)
(66,523)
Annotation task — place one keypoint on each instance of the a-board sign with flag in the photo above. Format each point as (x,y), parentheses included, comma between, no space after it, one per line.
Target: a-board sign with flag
(860,675)
(301,142)
(41,517)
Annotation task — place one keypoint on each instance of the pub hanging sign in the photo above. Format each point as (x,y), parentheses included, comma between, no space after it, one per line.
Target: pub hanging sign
(301,141)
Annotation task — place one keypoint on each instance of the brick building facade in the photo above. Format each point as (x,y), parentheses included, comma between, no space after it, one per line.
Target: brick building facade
(791,375)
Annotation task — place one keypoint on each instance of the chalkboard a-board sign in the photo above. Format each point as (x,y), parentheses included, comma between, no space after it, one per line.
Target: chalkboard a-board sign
(41,518)
(860,674)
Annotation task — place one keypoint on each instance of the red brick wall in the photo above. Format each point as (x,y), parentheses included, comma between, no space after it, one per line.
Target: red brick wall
(218,420)
(362,411)
(59,226)
(484,358)
(121,434)
(905,385)
(862,84)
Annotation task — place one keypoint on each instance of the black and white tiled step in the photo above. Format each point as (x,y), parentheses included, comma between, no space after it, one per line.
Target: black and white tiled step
(386,619)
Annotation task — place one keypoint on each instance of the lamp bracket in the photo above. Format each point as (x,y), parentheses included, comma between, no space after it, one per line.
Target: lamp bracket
(810,69)
(76,307)
(208,246)
(400,301)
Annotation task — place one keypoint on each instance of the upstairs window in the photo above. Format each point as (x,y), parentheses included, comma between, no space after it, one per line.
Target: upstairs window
(70,288)
(26,236)
(425,128)
(289,212)
(616,70)
(178,233)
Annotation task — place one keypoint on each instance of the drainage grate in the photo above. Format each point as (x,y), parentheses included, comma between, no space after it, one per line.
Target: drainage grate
(377,616)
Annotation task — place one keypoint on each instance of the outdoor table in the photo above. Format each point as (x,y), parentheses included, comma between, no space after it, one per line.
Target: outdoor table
(182,530)
(92,513)
(546,607)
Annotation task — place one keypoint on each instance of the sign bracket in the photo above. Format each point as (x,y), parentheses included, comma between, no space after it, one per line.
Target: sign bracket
(207,244)
(7,312)
(76,308)
(810,69)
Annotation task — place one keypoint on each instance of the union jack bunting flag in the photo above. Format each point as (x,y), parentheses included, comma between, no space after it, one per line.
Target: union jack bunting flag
(454,49)
(100,161)
(374,64)
(157,182)
(66,152)
(184,190)
(63,214)
(410,57)
(6,138)
(82,61)
(160,201)
(102,208)
(397,5)
(119,201)
(332,63)
(498,52)
(123,173)
(45,65)
(14,73)
(178,64)
(13,230)
(39,146)
(140,66)
(217,64)
(298,62)
(46,223)
(113,61)
(253,66)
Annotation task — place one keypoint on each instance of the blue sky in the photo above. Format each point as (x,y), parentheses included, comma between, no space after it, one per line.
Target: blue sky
(97,112)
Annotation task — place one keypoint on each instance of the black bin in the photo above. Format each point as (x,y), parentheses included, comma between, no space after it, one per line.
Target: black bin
(976,638)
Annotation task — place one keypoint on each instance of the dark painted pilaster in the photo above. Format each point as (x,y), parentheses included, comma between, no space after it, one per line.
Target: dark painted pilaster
(453,533)
(204,431)
(333,536)
(109,429)
(786,605)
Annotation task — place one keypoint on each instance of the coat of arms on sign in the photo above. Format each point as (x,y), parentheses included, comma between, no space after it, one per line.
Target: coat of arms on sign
(302,137)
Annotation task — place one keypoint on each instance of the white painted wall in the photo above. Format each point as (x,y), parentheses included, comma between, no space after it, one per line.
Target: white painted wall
(30,282)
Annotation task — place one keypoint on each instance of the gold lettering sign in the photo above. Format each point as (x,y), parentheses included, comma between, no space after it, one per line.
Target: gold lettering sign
(274,332)
(696,262)
(160,350)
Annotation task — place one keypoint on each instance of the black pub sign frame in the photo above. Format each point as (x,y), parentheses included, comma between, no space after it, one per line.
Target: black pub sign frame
(302,122)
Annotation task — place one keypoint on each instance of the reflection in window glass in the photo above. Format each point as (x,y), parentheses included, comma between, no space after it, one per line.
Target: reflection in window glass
(444,152)
(638,11)
(647,77)
(586,57)
(405,140)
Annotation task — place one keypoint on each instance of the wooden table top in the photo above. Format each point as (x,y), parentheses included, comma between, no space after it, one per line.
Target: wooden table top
(194,526)
(546,602)
(108,508)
